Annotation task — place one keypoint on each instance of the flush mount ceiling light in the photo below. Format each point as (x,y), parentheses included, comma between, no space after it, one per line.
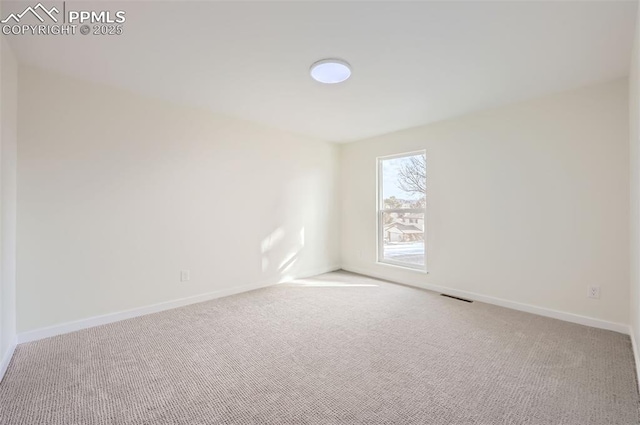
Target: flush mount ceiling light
(330,71)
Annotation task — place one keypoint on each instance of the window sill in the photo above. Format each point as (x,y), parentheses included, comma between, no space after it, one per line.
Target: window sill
(403,267)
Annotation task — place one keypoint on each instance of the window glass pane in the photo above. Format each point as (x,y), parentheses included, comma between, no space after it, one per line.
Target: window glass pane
(402,187)
(404,182)
(403,237)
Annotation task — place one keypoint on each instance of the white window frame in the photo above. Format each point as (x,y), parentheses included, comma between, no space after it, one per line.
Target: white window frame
(381,210)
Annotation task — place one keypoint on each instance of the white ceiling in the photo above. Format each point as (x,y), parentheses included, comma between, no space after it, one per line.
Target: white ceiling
(413,63)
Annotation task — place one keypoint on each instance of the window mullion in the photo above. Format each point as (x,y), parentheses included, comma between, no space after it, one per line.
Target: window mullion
(403,210)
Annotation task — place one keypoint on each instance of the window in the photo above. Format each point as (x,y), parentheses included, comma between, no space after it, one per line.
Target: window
(401,209)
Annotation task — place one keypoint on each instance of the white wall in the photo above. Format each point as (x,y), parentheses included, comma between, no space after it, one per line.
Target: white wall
(8,138)
(118,193)
(526,203)
(634,147)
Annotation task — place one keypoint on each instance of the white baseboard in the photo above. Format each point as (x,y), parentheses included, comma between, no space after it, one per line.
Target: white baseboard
(636,355)
(314,272)
(4,364)
(90,322)
(528,308)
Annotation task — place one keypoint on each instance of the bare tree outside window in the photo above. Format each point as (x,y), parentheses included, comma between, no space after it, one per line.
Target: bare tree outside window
(412,175)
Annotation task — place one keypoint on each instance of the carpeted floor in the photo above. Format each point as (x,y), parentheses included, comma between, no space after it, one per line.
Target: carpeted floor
(336,349)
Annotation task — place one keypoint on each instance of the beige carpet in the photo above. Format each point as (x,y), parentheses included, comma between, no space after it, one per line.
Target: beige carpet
(337,349)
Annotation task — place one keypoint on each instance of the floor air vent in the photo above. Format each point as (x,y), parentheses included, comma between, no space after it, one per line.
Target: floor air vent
(456,298)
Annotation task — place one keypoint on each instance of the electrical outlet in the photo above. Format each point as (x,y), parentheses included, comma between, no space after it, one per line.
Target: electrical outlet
(185,275)
(593,291)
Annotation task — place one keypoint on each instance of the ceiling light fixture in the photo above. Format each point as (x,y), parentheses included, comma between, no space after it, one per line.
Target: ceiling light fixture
(330,71)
